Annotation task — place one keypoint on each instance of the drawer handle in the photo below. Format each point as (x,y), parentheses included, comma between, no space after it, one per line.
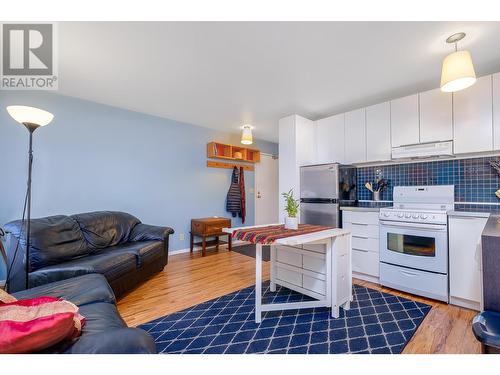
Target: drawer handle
(363,238)
(409,273)
(361,250)
(363,224)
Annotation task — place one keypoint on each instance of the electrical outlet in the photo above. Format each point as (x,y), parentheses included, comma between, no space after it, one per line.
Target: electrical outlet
(181,236)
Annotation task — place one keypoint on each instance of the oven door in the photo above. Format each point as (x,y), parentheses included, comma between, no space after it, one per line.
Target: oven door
(419,246)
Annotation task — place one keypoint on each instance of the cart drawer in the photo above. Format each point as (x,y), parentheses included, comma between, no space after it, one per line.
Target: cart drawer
(283,255)
(314,285)
(314,264)
(289,276)
(317,248)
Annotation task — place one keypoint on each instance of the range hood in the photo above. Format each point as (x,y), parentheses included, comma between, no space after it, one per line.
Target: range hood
(423,150)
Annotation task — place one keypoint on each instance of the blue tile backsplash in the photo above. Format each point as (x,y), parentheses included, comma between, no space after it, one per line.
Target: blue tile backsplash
(474,179)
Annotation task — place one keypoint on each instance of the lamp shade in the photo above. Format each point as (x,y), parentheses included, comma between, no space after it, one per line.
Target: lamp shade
(457,72)
(30,115)
(246,135)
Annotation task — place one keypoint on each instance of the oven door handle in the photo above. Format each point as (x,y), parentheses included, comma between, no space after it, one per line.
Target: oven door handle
(428,227)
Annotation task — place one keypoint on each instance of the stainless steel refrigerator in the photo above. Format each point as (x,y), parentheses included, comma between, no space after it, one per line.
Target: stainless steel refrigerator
(323,189)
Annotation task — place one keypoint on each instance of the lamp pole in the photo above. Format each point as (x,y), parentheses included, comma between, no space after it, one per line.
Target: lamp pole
(32,118)
(31,128)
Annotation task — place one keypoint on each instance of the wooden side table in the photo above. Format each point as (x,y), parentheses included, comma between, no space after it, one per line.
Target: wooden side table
(209,227)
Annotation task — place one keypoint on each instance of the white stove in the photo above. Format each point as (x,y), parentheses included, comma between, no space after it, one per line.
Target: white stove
(414,240)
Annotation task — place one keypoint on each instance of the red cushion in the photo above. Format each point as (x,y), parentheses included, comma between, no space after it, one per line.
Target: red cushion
(32,325)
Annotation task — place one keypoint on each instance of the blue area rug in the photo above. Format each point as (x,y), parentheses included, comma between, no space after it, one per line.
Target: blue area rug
(376,323)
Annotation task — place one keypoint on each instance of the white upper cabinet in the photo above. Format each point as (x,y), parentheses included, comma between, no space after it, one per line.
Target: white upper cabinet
(330,139)
(436,119)
(405,121)
(378,132)
(305,137)
(496,110)
(296,147)
(473,117)
(355,136)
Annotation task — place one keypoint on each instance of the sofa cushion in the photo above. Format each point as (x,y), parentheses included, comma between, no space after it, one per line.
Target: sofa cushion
(144,251)
(103,229)
(54,239)
(80,290)
(111,265)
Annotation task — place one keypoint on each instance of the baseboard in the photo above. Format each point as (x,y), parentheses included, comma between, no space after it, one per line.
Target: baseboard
(472,305)
(198,248)
(362,276)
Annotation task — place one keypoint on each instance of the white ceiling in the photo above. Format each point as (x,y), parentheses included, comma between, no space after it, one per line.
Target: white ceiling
(222,75)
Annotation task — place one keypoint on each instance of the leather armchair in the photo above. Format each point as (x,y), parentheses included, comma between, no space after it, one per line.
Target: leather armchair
(104,332)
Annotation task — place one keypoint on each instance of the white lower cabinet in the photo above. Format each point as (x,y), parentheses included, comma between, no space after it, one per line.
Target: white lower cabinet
(365,262)
(465,260)
(364,228)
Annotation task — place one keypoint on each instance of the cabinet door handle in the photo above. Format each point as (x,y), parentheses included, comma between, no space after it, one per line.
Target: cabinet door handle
(409,273)
(363,238)
(360,250)
(363,224)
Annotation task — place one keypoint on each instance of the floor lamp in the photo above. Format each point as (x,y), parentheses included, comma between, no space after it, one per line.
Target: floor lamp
(32,118)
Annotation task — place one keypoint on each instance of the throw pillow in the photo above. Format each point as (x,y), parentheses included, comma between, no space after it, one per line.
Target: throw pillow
(6,297)
(32,325)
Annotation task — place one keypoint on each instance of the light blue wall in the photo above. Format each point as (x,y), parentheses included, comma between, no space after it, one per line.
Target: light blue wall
(97,157)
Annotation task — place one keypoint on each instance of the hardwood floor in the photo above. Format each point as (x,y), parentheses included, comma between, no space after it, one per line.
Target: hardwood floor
(191,279)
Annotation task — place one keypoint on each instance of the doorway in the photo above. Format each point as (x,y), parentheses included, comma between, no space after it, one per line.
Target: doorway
(266,190)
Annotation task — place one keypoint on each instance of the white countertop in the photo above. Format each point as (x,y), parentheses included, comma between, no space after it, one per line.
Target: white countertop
(360,209)
(468,213)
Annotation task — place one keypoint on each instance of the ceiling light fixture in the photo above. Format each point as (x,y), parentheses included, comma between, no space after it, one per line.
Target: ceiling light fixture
(246,135)
(458,71)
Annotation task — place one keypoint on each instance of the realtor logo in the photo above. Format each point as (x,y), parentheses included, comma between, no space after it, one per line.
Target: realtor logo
(29,60)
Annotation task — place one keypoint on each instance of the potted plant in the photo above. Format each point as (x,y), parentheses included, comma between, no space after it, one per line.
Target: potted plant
(291,208)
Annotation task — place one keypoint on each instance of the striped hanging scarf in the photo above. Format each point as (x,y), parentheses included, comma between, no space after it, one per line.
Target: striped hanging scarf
(233,200)
(242,196)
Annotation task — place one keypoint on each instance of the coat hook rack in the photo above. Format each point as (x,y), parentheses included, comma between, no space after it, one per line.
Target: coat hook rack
(220,164)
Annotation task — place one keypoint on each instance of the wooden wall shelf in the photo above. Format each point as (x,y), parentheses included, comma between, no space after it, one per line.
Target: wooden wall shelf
(217,150)
(220,164)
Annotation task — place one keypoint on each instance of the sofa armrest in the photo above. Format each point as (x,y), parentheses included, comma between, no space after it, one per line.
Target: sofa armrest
(115,341)
(17,265)
(145,232)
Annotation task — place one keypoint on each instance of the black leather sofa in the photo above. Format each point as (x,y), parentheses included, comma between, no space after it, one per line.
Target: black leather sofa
(114,244)
(104,331)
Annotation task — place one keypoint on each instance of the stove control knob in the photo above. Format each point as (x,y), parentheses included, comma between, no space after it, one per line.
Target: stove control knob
(400,214)
(423,216)
(415,216)
(407,216)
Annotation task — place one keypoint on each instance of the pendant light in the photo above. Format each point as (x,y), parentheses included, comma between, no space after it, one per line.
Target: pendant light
(246,135)
(458,71)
